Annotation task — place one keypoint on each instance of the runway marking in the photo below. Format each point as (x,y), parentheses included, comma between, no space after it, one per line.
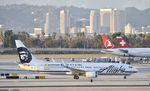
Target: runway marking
(65,80)
(75,86)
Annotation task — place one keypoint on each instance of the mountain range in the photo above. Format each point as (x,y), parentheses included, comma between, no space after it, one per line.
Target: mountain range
(25,17)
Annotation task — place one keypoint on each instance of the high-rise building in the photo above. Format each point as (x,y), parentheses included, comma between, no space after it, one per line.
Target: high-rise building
(94,21)
(1,36)
(46,25)
(112,20)
(129,29)
(51,23)
(105,20)
(117,21)
(64,21)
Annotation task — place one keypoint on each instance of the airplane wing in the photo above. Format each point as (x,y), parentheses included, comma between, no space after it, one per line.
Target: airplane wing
(106,50)
(84,73)
(74,70)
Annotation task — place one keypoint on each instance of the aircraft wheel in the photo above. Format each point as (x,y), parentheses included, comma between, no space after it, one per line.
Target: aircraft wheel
(91,80)
(125,77)
(76,77)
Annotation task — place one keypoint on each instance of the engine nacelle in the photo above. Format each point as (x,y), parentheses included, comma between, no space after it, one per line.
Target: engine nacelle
(91,74)
(126,55)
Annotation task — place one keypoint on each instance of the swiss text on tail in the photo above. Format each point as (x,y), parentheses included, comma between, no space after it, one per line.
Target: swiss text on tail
(123,43)
(107,42)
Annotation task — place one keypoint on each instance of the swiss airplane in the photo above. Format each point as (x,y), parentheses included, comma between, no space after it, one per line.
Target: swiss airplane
(125,49)
(86,69)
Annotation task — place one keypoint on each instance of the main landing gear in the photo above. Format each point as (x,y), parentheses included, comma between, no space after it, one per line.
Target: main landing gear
(76,77)
(125,77)
(91,80)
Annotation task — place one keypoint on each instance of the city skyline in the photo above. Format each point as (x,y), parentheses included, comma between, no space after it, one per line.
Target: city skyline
(65,19)
(93,4)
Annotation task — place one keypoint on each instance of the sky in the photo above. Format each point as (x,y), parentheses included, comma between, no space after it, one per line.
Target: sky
(92,4)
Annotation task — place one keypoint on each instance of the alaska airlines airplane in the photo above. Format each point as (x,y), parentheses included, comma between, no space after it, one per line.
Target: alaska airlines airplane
(86,69)
(125,49)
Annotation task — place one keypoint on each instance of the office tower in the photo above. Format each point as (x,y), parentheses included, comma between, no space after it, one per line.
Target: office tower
(64,21)
(105,20)
(129,29)
(112,20)
(46,25)
(1,36)
(117,21)
(94,21)
(51,23)
(121,21)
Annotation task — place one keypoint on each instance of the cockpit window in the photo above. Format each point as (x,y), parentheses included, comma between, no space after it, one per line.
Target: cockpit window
(130,66)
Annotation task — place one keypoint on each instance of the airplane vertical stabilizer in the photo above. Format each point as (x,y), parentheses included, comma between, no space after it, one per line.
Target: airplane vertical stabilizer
(123,43)
(25,55)
(107,42)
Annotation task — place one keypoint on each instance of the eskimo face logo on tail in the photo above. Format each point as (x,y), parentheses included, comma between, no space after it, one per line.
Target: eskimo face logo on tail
(108,44)
(24,55)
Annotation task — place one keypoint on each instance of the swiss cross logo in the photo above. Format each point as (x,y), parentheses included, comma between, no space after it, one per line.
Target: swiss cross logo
(122,42)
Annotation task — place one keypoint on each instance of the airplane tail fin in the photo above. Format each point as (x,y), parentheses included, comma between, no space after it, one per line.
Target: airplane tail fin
(25,55)
(107,42)
(123,43)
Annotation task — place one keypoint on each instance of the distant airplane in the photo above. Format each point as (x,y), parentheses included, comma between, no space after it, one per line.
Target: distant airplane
(112,49)
(86,69)
(125,49)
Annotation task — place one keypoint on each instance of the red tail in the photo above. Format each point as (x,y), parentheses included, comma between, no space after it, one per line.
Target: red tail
(107,42)
(123,43)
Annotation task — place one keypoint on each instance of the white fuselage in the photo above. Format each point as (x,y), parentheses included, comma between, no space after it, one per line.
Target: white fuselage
(130,52)
(57,68)
(87,69)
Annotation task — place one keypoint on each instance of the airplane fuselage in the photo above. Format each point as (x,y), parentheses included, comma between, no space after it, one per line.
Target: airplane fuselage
(129,52)
(57,68)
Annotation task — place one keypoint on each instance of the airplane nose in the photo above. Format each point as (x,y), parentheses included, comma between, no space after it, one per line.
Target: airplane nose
(135,70)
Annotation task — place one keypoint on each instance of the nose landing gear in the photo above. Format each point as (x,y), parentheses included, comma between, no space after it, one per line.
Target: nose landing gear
(91,80)
(125,77)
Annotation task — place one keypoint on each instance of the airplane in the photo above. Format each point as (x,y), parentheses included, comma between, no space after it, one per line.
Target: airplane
(133,52)
(111,48)
(125,49)
(86,69)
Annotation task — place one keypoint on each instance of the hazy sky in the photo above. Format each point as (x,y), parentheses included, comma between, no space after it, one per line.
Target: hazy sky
(140,4)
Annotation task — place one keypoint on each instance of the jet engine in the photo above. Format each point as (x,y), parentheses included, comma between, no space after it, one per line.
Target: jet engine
(126,55)
(91,74)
